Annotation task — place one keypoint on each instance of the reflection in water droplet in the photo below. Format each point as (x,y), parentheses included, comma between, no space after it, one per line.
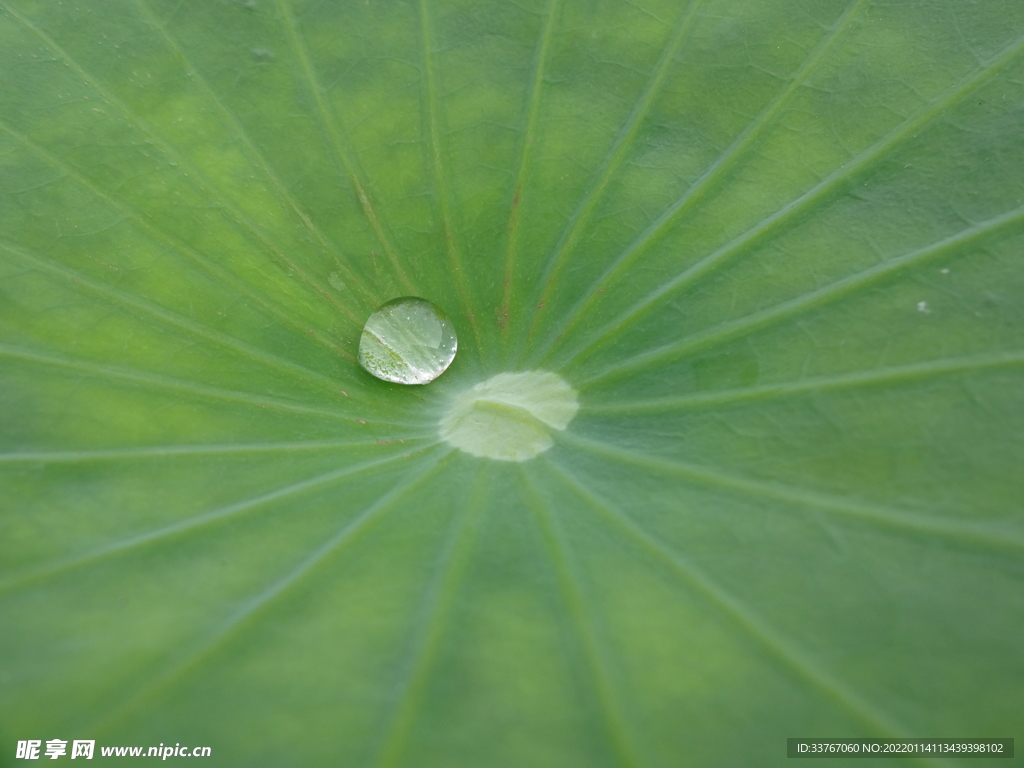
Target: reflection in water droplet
(407,341)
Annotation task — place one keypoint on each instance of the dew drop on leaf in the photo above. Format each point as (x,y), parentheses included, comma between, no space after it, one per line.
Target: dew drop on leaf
(407,341)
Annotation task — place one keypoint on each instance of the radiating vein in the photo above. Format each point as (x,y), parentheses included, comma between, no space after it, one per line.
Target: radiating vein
(581,217)
(856,379)
(181,665)
(241,287)
(615,721)
(334,137)
(708,179)
(49,570)
(166,451)
(268,170)
(179,385)
(960,531)
(796,660)
(1011,222)
(790,213)
(166,316)
(525,157)
(431,625)
(179,161)
(440,179)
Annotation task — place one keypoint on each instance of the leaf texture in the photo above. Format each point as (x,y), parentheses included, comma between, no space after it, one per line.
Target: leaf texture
(776,248)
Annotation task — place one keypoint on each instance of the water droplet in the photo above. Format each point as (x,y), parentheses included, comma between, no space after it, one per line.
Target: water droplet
(510,416)
(407,341)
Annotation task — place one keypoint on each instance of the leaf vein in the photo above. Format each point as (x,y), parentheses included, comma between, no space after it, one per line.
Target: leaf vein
(171,318)
(49,570)
(334,138)
(796,660)
(157,380)
(955,530)
(712,175)
(241,287)
(185,167)
(788,214)
(187,662)
(243,135)
(847,286)
(876,377)
(581,216)
(618,731)
(440,179)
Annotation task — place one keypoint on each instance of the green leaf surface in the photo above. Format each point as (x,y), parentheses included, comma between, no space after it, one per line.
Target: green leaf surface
(776,248)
